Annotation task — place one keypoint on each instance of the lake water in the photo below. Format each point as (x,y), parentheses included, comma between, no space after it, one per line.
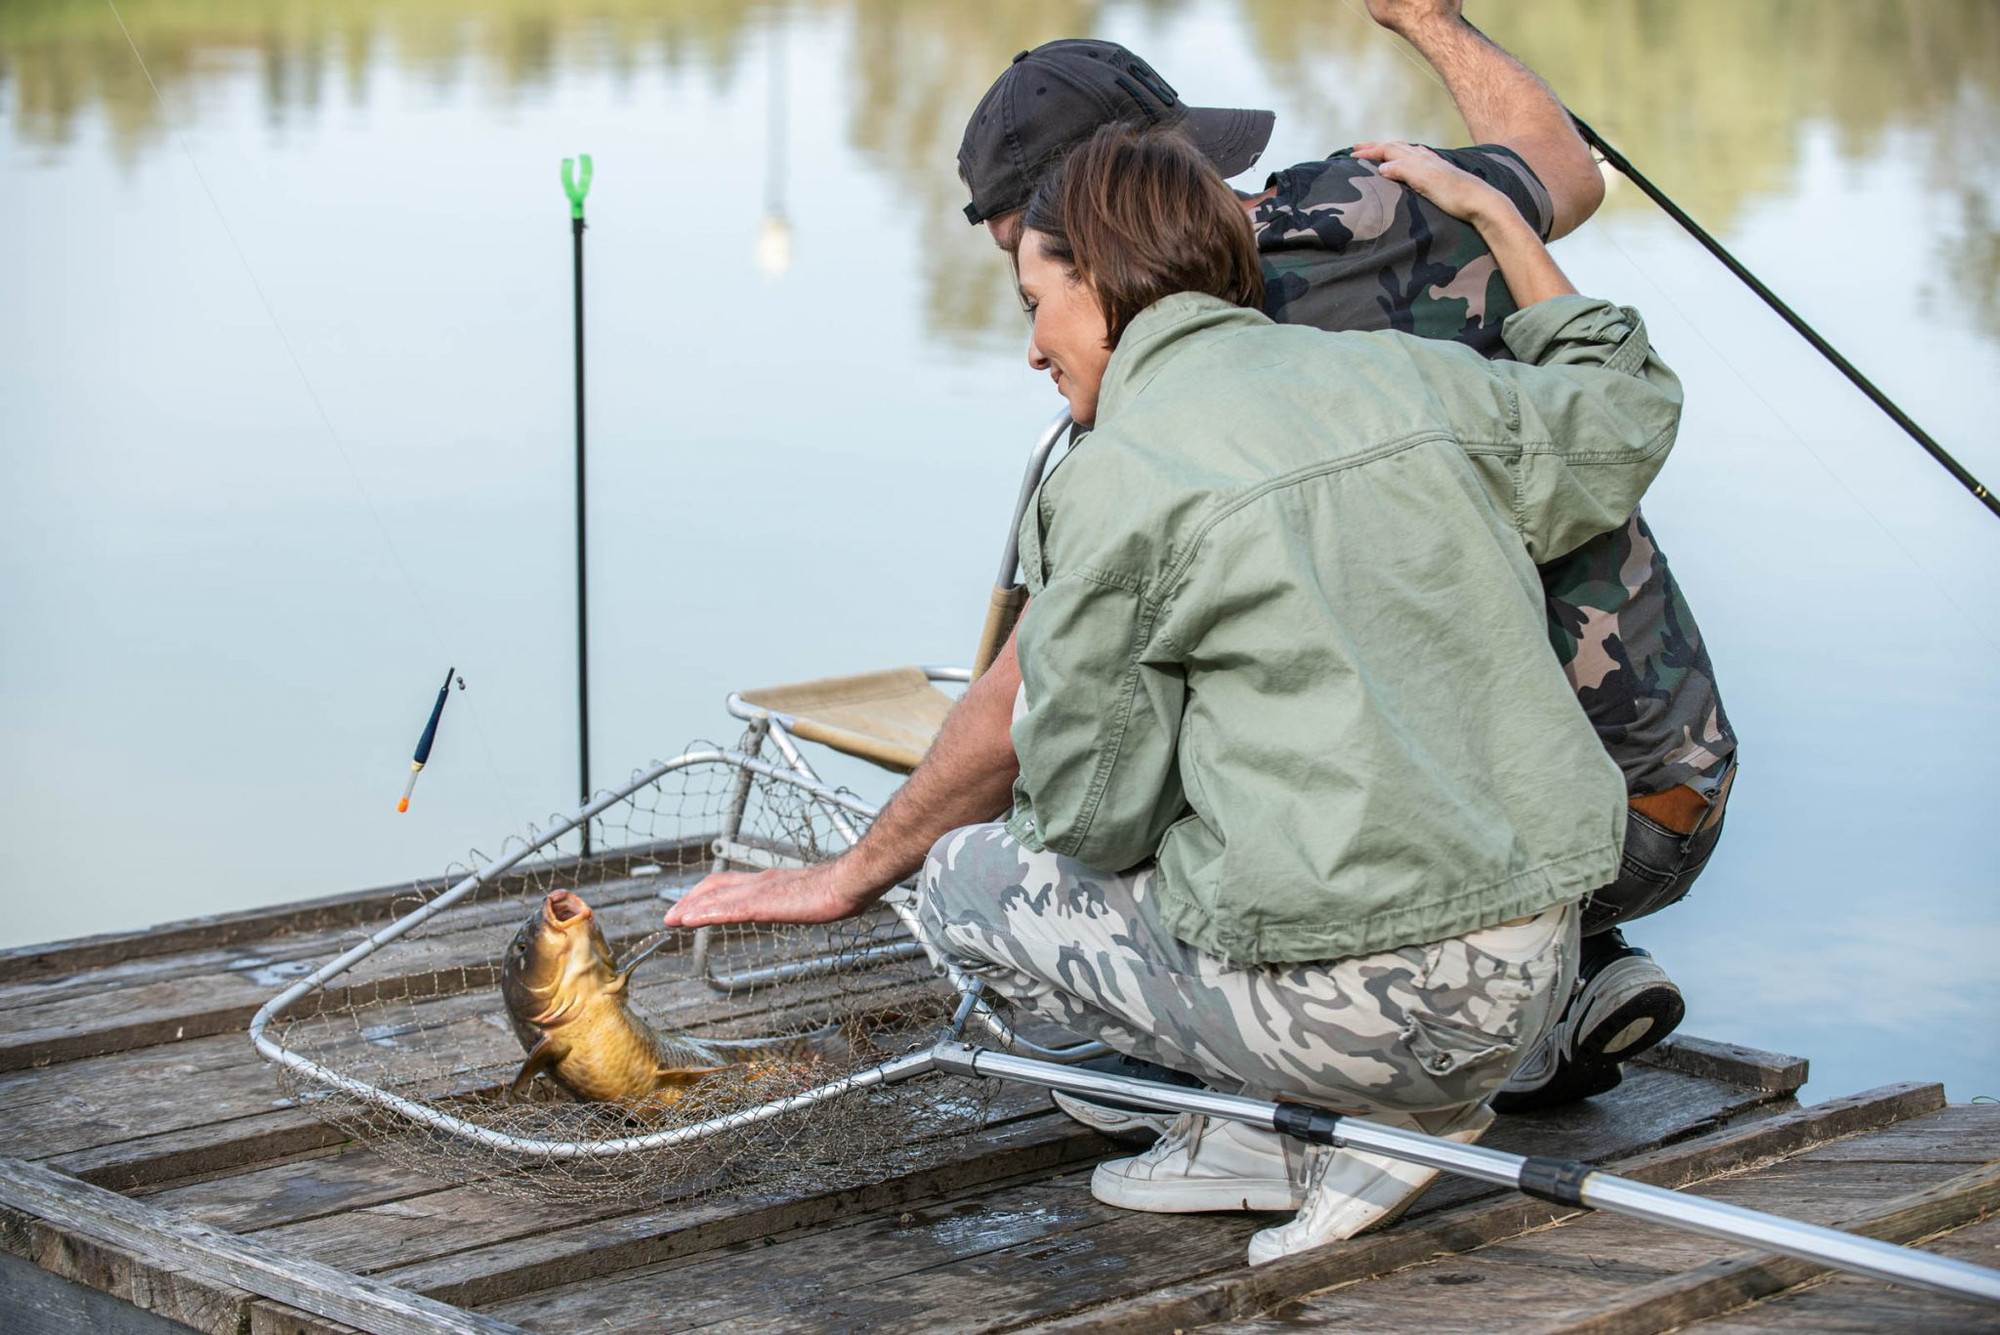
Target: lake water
(285,426)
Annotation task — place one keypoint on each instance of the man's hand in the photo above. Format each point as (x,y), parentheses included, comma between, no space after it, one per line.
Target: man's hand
(1400,16)
(1453,189)
(1502,102)
(819,893)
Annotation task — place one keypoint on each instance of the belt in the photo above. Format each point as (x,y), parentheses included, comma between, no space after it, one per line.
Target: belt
(1682,809)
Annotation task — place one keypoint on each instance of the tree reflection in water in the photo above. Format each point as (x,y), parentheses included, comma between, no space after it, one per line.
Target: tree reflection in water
(1710,96)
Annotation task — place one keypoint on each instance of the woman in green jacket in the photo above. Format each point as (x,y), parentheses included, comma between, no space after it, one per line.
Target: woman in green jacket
(1306,805)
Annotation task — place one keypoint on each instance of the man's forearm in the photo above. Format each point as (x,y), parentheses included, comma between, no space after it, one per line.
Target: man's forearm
(1505,102)
(968,776)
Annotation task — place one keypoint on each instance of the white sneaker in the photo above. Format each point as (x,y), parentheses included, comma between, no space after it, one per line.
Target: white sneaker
(1206,1164)
(1349,1191)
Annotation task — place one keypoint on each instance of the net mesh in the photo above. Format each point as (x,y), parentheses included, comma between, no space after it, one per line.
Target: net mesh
(422,1017)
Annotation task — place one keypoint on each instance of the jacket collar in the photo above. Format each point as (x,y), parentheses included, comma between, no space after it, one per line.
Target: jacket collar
(1154,336)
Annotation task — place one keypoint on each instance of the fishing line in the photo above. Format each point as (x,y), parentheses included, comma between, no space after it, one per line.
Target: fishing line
(1798,437)
(319,407)
(1786,313)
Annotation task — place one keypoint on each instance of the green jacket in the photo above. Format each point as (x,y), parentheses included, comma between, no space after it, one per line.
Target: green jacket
(1287,633)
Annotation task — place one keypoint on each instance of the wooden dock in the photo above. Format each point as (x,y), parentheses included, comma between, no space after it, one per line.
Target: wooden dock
(154,1178)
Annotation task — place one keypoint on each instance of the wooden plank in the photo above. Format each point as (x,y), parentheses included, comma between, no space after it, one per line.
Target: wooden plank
(472,1248)
(1654,1106)
(38,1303)
(105,1099)
(1597,1262)
(80,1211)
(1735,1281)
(140,1283)
(464,1219)
(1239,1291)
(354,909)
(1960,1133)
(459,955)
(978,1262)
(876,1272)
(288,1193)
(200,1152)
(1850,1305)
(1713,1060)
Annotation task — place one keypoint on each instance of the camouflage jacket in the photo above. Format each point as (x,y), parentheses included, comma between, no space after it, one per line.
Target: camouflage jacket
(1345,249)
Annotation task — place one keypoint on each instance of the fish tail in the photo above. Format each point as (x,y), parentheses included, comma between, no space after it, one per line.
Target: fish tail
(789,1048)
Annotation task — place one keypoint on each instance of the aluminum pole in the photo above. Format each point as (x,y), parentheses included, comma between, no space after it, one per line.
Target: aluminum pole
(1561,1181)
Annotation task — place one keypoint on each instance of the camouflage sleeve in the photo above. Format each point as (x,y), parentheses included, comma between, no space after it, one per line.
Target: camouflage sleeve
(1506,171)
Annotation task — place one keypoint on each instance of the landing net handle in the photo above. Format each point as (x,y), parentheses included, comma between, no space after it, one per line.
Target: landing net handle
(1561,1181)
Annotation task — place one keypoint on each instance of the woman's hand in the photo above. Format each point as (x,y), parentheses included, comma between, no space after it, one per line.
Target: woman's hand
(784,894)
(1456,191)
(1525,264)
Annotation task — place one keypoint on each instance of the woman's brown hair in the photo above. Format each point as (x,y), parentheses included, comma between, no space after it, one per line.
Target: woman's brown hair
(1139,214)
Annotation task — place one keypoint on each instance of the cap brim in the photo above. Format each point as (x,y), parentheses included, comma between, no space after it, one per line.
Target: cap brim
(1230,138)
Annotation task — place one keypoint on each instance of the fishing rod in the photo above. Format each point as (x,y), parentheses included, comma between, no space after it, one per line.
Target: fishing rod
(1791,317)
(1559,1181)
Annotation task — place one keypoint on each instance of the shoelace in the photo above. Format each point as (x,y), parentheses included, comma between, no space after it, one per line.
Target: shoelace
(1185,1133)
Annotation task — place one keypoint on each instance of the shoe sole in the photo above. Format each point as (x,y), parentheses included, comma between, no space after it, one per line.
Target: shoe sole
(1120,1126)
(1188,1197)
(1634,1007)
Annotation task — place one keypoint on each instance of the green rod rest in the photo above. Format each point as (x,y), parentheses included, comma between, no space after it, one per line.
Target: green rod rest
(574,185)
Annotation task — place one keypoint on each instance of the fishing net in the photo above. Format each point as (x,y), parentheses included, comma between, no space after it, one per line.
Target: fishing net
(411,1049)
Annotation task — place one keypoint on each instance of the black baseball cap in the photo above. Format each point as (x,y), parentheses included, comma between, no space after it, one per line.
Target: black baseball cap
(1058,94)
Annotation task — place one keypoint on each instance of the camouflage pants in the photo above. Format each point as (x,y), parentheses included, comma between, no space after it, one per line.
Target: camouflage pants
(1411,1030)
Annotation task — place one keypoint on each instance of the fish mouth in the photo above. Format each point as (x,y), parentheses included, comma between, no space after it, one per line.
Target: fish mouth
(563,910)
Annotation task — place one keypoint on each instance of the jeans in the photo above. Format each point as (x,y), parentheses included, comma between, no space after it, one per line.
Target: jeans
(1659,867)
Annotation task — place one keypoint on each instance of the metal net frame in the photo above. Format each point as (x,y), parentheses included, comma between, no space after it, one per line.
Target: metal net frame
(404,1041)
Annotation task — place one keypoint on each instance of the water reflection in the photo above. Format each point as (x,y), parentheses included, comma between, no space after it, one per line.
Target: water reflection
(1720,131)
(858,398)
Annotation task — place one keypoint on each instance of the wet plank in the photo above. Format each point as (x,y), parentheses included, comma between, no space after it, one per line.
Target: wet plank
(1711,1059)
(1603,1274)
(355,909)
(1849,1305)
(1239,1291)
(473,1247)
(988,1259)
(357,1178)
(1735,1280)
(1654,1106)
(1658,1106)
(59,1110)
(37,1302)
(457,955)
(209,1275)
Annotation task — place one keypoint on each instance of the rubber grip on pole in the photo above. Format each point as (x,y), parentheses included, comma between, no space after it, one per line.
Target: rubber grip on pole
(1316,1125)
(1557,1180)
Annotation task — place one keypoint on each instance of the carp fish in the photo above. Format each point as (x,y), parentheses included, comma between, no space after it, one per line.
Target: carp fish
(569,1007)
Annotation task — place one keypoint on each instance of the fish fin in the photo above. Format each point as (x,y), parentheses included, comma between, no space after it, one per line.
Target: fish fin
(540,1057)
(687,1075)
(633,961)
